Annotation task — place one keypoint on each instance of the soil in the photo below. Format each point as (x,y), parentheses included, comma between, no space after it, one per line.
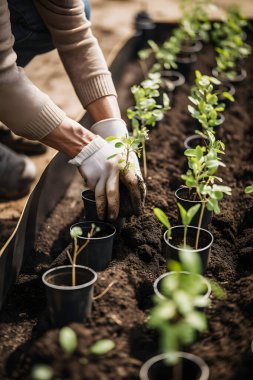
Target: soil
(139,258)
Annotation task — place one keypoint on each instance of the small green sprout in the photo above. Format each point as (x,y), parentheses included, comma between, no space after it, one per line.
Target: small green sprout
(248,189)
(162,217)
(187,216)
(75,233)
(68,340)
(102,347)
(42,372)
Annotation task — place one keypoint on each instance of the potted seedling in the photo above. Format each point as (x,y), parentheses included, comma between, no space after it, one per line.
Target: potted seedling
(165,63)
(143,115)
(200,186)
(178,320)
(183,237)
(231,49)
(95,249)
(205,107)
(70,287)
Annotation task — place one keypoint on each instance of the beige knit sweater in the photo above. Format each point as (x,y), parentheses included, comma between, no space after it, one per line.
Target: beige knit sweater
(25,109)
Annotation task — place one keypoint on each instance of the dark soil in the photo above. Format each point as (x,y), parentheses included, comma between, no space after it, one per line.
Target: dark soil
(139,258)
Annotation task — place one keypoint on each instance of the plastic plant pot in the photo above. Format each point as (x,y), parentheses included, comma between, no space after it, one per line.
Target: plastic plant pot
(191,47)
(185,63)
(69,303)
(184,196)
(158,119)
(242,74)
(157,283)
(192,141)
(172,79)
(98,253)
(191,367)
(174,244)
(90,210)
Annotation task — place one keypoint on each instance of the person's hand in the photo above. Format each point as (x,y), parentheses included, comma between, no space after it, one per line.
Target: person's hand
(133,178)
(102,176)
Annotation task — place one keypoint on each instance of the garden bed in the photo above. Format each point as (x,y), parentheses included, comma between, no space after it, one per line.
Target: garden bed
(26,337)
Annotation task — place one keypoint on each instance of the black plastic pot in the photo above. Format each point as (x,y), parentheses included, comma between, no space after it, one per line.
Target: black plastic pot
(242,74)
(171,80)
(69,303)
(176,240)
(98,253)
(199,277)
(90,210)
(145,28)
(191,47)
(191,367)
(192,141)
(185,63)
(184,196)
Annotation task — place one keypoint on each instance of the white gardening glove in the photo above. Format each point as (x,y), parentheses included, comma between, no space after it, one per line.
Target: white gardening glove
(101,175)
(133,178)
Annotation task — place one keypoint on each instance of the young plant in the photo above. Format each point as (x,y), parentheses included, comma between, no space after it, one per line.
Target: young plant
(145,112)
(126,145)
(206,107)
(231,48)
(248,189)
(186,216)
(177,317)
(75,233)
(203,163)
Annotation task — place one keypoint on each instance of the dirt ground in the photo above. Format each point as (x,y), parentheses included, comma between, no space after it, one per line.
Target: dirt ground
(139,257)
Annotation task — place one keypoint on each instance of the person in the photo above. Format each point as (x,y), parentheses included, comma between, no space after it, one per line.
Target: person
(38,27)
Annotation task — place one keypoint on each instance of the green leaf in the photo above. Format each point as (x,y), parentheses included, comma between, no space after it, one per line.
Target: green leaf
(68,340)
(75,232)
(197,320)
(183,214)
(112,156)
(111,138)
(191,262)
(192,212)
(248,189)
(228,96)
(162,217)
(42,372)
(102,347)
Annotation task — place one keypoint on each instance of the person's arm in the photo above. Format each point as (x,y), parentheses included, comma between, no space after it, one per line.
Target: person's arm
(25,109)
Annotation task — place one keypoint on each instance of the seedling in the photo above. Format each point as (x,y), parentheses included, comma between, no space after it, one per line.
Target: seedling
(75,233)
(248,189)
(126,145)
(145,113)
(206,107)
(102,347)
(231,49)
(186,216)
(176,316)
(203,163)
(42,372)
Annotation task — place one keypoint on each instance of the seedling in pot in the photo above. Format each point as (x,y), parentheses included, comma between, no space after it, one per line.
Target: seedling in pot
(203,163)
(75,233)
(144,114)
(206,107)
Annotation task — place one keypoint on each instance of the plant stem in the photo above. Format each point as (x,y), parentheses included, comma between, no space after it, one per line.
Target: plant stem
(145,170)
(185,234)
(177,370)
(203,205)
(74,264)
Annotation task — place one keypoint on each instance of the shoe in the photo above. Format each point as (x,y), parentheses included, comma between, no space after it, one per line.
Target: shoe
(16,174)
(20,144)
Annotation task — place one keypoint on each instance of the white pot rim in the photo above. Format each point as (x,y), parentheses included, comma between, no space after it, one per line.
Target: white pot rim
(186,200)
(191,250)
(160,295)
(200,362)
(67,288)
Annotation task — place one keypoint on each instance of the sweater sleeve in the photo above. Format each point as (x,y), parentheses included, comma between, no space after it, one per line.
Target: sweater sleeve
(78,48)
(23,107)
